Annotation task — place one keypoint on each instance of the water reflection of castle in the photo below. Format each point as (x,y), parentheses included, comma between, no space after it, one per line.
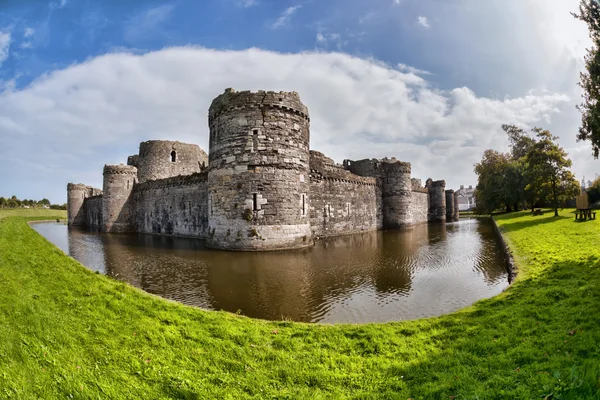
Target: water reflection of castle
(299,285)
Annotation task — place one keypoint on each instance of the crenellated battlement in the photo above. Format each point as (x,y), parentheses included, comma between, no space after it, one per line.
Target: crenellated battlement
(232,101)
(120,169)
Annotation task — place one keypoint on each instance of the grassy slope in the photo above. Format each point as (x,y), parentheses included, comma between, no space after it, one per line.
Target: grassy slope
(67,331)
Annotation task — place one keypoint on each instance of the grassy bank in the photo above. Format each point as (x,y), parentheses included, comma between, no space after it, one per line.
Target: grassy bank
(65,331)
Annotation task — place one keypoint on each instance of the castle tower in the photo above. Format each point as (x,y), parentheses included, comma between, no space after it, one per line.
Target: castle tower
(160,159)
(258,179)
(456,216)
(117,210)
(449,205)
(76,194)
(437,200)
(396,193)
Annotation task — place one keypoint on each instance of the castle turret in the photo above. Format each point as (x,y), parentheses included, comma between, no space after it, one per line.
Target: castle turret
(449,205)
(76,194)
(117,212)
(396,193)
(258,178)
(437,200)
(160,159)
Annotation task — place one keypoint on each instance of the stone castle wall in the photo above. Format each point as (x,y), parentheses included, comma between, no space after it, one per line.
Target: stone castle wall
(172,206)
(260,188)
(93,211)
(341,203)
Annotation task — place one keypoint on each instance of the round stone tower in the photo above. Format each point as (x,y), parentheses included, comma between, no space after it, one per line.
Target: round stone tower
(76,193)
(396,191)
(449,205)
(437,200)
(456,216)
(258,179)
(159,159)
(117,210)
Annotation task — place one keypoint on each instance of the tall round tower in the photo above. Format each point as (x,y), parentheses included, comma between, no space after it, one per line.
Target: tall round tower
(160,159)
(76,194)
(117,210)
(449,205)
(437,200)
(396,193)
(258,178)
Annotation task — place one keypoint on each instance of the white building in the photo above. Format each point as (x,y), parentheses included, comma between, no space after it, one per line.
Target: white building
(466,198)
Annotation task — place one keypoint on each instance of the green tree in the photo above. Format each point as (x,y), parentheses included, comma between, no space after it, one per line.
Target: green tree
(491,172)
(3,202)
(548,170)
(589,12)
(593,191)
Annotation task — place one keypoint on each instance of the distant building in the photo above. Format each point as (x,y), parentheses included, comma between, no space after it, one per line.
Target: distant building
(466,198)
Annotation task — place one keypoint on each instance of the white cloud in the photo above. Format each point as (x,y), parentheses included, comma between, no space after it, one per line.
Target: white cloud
(325,39)
(285,17)
(28,32)
(412,70)
(4,46)
(67,124)
(26,45)
(423,21)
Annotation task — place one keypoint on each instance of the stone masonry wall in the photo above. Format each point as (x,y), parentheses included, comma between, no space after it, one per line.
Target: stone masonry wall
(419,206)
(160,159)
(341,203)
(93,211)
(437,200)
(449,205)
(258,178)
(173,206)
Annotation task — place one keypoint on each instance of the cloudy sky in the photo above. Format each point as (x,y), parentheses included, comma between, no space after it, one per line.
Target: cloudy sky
(428,81)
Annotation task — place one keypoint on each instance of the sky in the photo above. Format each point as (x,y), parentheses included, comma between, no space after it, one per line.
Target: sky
(430,82)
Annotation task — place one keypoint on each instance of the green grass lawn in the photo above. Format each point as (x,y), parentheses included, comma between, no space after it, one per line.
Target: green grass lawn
(67,332)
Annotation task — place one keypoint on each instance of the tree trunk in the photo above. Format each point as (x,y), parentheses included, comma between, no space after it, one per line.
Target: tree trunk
(555,199)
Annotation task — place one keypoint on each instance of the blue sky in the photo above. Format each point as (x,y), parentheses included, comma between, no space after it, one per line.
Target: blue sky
(430,82)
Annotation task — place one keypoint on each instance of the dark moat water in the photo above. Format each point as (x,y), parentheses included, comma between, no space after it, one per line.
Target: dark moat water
(380,276)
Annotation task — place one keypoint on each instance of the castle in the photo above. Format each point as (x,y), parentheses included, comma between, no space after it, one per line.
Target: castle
(259,188)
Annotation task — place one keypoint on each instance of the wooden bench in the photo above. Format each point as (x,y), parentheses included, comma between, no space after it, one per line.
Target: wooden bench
(537,211)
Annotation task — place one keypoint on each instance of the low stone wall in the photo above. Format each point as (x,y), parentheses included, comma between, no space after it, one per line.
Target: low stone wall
(419,205)
(93,211)
(174,206)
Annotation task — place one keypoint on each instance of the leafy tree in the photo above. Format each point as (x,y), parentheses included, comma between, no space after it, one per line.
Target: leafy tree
(2,202)
(589,12)
(45,202)
(548,170)
(593,191)
(491,191)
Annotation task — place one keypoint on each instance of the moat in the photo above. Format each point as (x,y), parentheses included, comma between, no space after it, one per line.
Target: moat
(424,271)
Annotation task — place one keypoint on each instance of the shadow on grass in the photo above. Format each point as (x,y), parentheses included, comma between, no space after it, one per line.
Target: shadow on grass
(536,342)
(538,220)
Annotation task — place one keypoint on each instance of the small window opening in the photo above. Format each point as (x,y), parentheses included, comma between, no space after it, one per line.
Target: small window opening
(255,132)
(328,211)
(280,99)
(127,184)
(173,156)
(348,206)
(255,201)
(303,205)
